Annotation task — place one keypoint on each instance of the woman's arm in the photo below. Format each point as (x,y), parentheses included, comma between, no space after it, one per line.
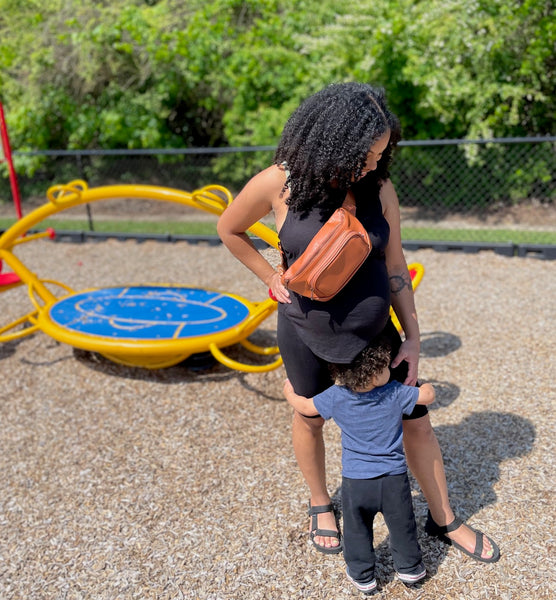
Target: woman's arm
(301,404)
(255,201)
(401,289)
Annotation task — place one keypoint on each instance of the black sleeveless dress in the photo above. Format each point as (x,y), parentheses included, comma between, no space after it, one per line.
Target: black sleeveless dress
(339,329)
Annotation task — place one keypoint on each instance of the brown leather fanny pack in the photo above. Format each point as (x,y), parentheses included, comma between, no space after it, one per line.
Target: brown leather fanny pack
(332,257)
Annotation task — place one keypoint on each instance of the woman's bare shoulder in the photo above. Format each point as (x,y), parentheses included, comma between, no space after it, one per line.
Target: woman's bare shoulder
(388,195)
(387,188)
(273,177)
(268,184)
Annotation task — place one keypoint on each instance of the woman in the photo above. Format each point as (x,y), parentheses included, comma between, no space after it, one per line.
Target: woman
(339,140)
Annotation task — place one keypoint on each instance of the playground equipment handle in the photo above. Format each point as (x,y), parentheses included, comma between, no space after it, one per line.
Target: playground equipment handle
(262,311)
(238,366)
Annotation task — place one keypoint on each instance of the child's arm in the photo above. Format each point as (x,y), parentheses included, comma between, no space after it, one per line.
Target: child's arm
(426,394)
(302,405)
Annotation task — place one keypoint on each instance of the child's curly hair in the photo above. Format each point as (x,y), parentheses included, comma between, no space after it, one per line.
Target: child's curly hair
(371,361)
(326,140)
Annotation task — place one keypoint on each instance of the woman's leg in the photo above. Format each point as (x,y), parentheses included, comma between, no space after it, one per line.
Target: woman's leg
(309,375)
(308,445)
(424,459)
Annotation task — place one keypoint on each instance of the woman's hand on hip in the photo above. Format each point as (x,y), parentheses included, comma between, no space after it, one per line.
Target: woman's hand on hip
(278,290)
(409,351)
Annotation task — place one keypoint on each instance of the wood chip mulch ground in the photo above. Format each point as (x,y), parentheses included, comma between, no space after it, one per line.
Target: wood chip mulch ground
(120,483)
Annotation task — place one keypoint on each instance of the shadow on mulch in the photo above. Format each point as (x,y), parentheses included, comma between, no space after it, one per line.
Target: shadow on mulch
(208,370)
(446,393)
(201,365)
(473,451)
(438,343)
(8,349)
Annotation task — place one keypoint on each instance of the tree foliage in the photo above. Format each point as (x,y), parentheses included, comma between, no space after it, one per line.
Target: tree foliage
(168,73)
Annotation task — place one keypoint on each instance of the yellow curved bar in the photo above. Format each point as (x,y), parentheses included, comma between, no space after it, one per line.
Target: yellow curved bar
(26,275)
(207,198)
(259,229)
(259,349)
(67,196)
(261,312)
(32,289)
(75,193)
(234,364)
(8,337)
(64,192)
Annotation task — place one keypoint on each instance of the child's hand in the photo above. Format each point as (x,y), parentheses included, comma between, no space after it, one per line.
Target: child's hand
(288,388)
(304,406)
(427,394)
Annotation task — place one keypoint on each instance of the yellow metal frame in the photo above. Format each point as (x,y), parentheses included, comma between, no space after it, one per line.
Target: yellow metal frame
(26,324)
(152,354)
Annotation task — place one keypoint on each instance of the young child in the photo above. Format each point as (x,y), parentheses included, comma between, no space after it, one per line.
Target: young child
(369,411)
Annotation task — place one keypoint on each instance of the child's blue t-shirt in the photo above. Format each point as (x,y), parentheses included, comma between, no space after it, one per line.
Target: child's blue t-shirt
(371,424)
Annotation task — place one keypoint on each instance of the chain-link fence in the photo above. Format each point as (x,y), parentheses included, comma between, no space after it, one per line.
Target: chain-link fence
(487,191)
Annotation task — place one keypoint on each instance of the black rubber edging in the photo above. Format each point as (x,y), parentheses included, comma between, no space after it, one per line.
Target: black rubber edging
(77,237)
(541,251)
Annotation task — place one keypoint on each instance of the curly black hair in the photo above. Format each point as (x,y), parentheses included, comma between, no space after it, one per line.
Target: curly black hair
(326,140)
(371,361)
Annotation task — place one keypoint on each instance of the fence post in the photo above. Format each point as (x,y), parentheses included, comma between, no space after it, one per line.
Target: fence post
(79,161)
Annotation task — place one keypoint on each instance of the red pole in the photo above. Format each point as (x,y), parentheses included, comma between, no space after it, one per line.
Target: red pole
(8,156)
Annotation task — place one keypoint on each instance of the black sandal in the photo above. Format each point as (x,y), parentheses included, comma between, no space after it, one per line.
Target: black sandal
(440,532)
(314,511)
